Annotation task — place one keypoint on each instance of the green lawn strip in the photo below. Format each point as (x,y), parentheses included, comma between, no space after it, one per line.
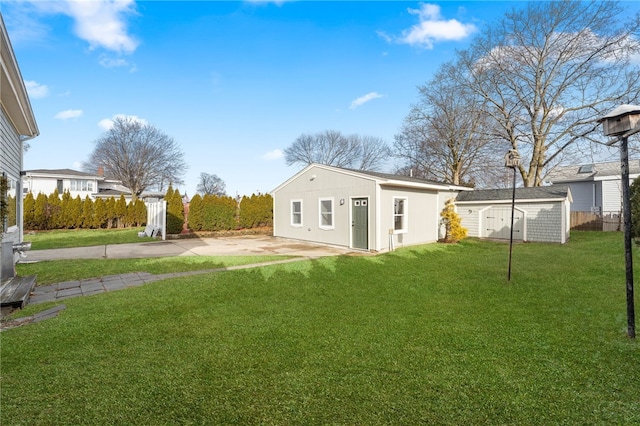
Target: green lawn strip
(42,240)
(426,335)
(56,271)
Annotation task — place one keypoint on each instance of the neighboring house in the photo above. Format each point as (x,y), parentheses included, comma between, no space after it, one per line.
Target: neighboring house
(360,210)
(17,125)
(541,214)
(77,183)
(595,188)
(46,181)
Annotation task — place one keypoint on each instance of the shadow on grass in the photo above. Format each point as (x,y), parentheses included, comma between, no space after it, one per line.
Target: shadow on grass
(431,334)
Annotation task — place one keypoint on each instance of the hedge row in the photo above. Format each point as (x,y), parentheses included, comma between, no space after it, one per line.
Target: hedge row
(216,213)
(208,213)
(55,212)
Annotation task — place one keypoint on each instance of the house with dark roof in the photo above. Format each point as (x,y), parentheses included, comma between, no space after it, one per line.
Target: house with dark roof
(17,125)
(541,214)
(361,210)
(597,187)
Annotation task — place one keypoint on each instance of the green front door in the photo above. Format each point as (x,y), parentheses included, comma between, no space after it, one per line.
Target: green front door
(360,223)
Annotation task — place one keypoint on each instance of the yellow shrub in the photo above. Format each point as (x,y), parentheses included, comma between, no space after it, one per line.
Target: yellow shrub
(454,231)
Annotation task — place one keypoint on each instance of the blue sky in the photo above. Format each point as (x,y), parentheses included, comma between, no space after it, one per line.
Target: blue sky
(234,83)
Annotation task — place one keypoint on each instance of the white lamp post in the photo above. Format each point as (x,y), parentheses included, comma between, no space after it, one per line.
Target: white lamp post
(623,122)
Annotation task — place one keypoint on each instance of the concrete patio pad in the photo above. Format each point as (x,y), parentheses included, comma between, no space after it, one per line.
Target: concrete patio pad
(246,245)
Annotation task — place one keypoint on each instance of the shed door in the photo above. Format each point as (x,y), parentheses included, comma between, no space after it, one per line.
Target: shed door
(497,223)
(360,223)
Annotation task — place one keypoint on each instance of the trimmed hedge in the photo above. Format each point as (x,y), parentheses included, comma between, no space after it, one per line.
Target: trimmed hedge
(64,212)
(256,211)
(224,213)
(208,213)
(175,211)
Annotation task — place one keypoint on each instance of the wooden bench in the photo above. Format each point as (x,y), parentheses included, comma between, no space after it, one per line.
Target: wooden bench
(16,291)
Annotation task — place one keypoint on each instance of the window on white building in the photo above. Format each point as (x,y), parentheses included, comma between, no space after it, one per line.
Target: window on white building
(326,213)
(400,214)
(296,212)
(81,185)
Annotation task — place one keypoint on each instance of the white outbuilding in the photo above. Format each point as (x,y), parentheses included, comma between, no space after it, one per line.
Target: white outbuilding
(360,210)
(541,214)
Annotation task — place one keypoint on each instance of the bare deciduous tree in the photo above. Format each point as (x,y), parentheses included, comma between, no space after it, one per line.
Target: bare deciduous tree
(211,184)
(547,73)
(137,154)
(442,137)
(333,148)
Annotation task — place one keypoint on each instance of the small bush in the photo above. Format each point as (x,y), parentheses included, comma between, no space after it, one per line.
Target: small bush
(454,231)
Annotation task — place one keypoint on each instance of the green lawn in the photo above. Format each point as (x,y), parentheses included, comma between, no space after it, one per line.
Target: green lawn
(42,240)
(425,335)
(57,271)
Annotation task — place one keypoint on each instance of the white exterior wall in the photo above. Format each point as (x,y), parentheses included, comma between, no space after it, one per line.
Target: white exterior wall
(325,184)
(544,221)
(11,164)
(11,148)
(470,216)
(423,211)
(46,185)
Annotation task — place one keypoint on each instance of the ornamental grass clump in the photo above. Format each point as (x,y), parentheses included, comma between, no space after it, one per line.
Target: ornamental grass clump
(454,231)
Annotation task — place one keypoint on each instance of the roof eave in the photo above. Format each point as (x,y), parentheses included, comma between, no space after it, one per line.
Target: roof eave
(13,93)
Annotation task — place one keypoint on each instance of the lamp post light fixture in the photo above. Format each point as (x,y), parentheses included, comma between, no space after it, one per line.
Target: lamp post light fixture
(512,160)
(623,122)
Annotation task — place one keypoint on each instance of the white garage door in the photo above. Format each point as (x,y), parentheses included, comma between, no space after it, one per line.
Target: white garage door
(497,223)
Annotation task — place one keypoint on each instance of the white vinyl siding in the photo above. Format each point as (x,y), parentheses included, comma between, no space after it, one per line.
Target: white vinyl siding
(612,195)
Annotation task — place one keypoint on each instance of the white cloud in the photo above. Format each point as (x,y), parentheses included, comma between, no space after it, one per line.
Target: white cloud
(108,62)
(102,23)
(364,99)
(431,28)
(276,154)
(70,113)
(36,90)
(107,123)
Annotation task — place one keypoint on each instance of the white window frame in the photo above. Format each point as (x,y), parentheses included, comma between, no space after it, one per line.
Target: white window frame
(331,213)
(293,213)
(85,185)
(404,216)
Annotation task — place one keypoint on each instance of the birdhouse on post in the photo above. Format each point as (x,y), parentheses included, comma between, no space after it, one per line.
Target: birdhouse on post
(621,120)
(512,159)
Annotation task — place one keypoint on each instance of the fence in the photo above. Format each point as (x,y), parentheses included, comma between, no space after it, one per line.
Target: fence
(157,216)
(588,221)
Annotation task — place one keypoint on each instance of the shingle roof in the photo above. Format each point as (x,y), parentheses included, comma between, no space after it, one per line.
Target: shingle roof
(534,193)
(60,172)
(586,172)
(402,178)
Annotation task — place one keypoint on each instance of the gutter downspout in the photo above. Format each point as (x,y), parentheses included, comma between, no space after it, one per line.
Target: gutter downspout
(19,190)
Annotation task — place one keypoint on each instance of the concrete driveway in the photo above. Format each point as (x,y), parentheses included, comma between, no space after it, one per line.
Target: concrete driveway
(246,245)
